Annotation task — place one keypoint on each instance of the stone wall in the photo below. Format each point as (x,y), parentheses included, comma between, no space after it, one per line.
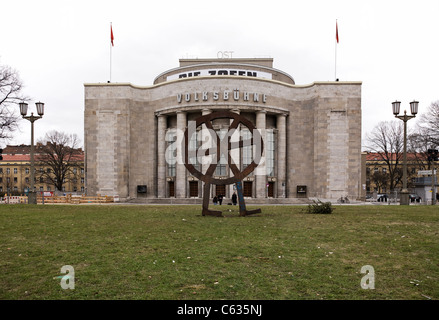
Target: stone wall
(321,147)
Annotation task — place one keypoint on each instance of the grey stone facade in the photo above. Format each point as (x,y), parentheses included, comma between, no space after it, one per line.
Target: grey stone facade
(316,130)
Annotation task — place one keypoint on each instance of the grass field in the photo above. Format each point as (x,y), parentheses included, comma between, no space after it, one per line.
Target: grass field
(172,252)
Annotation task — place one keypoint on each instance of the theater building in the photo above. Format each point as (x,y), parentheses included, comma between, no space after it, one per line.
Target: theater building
(311,133)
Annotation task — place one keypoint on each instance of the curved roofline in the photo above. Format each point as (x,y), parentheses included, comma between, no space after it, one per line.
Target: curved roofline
(225,63)
(224,77)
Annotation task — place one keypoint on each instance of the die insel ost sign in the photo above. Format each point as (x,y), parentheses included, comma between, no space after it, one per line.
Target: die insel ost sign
(310,135)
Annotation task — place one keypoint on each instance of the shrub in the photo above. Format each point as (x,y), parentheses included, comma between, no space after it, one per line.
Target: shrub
(320,207)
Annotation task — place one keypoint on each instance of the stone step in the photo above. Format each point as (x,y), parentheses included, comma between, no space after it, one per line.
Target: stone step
(199,201)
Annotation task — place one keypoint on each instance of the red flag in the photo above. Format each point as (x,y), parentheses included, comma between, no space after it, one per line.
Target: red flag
(336,30)
(112,37)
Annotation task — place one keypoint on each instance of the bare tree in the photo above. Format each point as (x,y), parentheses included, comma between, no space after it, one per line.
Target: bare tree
(418,144)
(428,125)
(10,94)
(387,141)
(61,154)
(380,179)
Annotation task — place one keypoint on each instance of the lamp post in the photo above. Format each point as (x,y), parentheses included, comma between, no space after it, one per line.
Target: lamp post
(32,197)
(414,110)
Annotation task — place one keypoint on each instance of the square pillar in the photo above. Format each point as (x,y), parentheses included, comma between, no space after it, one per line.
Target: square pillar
(180,184)
(161,161)
(281,155)
(260,171)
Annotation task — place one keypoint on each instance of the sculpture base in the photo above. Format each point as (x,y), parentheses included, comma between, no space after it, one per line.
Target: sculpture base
(32,197)
(404,198)
(249,212)
(207,212)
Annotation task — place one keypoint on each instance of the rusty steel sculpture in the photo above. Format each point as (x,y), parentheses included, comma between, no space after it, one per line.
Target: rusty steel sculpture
(223,147)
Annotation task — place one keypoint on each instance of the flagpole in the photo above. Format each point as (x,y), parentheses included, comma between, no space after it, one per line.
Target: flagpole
(111,48)
(335,72)
(336,42)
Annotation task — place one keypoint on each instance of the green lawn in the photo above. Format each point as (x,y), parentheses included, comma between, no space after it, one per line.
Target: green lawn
(172,252)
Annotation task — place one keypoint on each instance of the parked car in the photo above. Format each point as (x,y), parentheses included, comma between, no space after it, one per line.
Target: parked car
(382,197)
(414,198)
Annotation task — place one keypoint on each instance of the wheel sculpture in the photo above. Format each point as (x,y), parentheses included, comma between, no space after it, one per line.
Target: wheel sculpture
(238,175)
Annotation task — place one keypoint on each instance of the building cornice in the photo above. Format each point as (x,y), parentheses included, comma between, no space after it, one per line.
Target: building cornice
(315,83)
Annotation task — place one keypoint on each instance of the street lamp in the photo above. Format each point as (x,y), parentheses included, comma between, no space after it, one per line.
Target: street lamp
(32,197)
(414,110)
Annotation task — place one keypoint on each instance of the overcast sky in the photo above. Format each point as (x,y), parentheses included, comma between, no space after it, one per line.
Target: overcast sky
(58,45)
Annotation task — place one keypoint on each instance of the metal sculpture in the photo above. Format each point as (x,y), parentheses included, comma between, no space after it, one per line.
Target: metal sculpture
(238,175)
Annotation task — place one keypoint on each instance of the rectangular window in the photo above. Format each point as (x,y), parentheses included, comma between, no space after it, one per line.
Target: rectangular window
(221,168)
(269,154)
(247,149)
(194,144)
(171,152)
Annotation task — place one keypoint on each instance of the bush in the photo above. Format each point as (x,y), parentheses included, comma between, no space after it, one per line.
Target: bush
(320,207)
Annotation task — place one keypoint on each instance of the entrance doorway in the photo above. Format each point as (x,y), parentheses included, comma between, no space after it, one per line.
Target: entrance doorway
(248,187)
(220,189)
(171,187)
(270,189)
(193,189)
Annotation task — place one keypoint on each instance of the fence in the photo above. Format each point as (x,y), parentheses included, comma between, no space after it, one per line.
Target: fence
(67,199)
(76,199)
(12,199)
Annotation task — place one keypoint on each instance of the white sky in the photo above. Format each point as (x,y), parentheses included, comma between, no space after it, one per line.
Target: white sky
(58,45)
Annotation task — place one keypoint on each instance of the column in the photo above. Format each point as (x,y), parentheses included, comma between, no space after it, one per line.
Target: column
(281,155)
(235,154)
(260,171)
(204,137)
(180,184)
(161,159)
